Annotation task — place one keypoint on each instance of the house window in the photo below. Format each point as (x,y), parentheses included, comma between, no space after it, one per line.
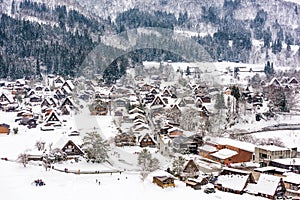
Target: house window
(262,155)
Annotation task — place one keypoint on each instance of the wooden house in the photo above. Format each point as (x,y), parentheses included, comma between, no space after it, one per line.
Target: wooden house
(190,170)
(164,181)
(69,146)
(196,183)
(146,87)
(58,81)
(125,139)
(268,186)
(71,149)
(292,184)
(235,183)
(147,140)
(293,81)
(174,132)
(166,93)
(69,102)
(53,118)
(4,129)
(6,99)
(136,110)
(175,110)
(69,84)
(158,101)
(183,144)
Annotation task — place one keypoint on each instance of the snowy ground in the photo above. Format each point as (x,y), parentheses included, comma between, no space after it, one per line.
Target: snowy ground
(16,183)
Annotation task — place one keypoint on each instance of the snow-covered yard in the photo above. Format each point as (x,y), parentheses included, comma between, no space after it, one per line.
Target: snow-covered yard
(16,183)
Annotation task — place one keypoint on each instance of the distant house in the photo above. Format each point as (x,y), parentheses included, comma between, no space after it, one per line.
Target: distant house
(174,132)
(196,183)
(184,144)
(190,170)
(227,151)
(136,110)
(268,186)
(69,146)
(6,99)
(264,154)
(158,102)
(125,139)
(166,93)
(164,181)
(4,129)
(293,81)
(164,144)
(120,102)
(53,118)
(147,140)
(69,84)
(292,164)
(292,184)
(234,183)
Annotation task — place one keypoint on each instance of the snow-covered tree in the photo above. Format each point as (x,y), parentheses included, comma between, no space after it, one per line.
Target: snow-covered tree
(178,165)
(23,159)
(95,147)
(220,102)
(190,120)
(147,163)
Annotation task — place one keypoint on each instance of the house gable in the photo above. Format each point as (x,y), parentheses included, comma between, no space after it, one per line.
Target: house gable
(70,148)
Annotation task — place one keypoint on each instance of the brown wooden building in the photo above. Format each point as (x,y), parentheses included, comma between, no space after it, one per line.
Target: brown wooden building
(164,181)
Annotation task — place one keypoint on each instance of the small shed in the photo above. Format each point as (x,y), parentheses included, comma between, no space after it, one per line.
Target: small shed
(164,181)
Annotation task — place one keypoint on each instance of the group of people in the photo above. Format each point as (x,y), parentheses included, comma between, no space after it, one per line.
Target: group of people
(39,182)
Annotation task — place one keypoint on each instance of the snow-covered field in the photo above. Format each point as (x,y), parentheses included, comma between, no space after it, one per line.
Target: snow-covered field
(16,183)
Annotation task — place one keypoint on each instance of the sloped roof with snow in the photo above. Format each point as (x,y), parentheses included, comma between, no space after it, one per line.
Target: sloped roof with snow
(272,148)
(234,182)
(235,143)
(267,184)
(292,178)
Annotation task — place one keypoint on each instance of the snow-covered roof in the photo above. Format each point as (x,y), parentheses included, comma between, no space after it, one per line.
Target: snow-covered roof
(288,161)
(208,148)
(224,153)
(292,178)
(235,143)
(64,139)
(270,168)
(272,148)
(70,83)
(267,184)
(234,181)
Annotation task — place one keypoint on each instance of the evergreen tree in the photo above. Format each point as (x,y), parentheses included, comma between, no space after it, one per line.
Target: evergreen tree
(187,71)
(178,165)
(220,102)
(95,147)
(147,163)
(269,69)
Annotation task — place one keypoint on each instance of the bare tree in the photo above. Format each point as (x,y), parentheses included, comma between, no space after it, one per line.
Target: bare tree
(23,159)
(40,145)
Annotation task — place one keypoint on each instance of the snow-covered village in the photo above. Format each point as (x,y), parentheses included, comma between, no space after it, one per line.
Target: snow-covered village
(149,99)
(166,132)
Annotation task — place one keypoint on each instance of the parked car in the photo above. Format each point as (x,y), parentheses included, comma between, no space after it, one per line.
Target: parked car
(31,126)
(209,190)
